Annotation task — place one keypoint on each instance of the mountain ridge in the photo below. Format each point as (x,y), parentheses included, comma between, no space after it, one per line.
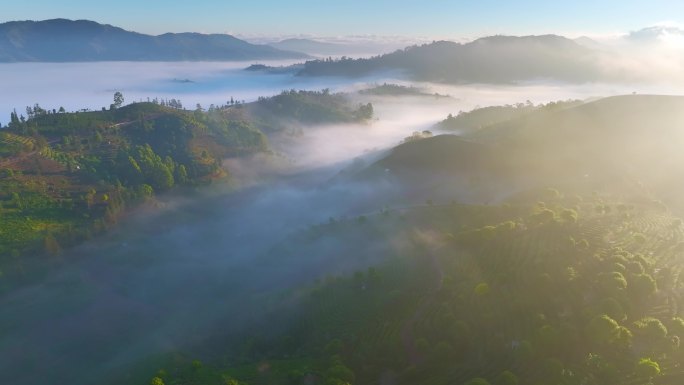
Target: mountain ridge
(493,59)
(65,40)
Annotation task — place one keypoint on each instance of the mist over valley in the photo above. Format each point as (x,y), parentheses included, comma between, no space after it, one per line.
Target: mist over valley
(195,208)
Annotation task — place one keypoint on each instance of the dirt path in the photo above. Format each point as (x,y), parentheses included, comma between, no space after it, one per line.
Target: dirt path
(145,118)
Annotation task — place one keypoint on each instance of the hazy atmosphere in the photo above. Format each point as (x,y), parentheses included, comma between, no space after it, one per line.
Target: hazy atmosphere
(436,192)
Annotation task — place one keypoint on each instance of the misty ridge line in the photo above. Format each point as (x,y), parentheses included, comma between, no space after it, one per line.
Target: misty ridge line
(632,57)
(62,40)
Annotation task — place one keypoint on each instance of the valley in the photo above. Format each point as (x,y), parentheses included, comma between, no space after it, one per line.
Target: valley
(229,207)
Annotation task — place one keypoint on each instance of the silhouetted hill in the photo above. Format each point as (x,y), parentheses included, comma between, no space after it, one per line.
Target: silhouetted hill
(495,59)
(62,40)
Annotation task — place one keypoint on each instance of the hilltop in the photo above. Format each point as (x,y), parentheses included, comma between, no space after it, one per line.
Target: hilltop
(624,142)
(68,176)
(494,59)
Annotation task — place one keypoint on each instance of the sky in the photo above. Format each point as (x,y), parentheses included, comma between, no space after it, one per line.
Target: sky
(423,18)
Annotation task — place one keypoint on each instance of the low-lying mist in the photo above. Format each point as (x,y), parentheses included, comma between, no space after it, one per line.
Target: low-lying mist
(52,85)
(205,264)
(210,262)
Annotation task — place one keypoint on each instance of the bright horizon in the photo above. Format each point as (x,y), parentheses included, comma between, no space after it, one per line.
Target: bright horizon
(438,19)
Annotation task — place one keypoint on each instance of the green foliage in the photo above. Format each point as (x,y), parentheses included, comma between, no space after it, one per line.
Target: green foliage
(546,318)
(612,282)
(154,170)
(623,337)
(310,107)
(603,329)
(650,328)
(72,174)
(647,368)
(643,285)
(118,99)
(386,89)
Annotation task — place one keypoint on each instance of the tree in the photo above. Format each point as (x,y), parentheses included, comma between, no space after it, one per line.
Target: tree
(181,174)
(623,337)
(603,329)
(643,285)
(612,282)
(651,329)
(365,111)
(118,99)
(647,368)
(157,381)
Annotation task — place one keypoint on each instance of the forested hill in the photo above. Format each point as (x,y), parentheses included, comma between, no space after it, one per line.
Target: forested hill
(496,59)
(625,142)
(61,40)
(573,276)
(66,176)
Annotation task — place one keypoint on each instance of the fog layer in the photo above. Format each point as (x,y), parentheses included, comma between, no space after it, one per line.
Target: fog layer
(76,86)
(208,264)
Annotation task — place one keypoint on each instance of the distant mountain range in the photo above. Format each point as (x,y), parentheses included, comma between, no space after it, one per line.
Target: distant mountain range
(312,47)
(495,59)
(61,40)
(348,47)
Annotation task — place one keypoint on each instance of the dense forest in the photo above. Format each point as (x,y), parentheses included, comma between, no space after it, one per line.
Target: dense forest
(68,176)
(527,262)
(565,280)
(561,289)
(388,89)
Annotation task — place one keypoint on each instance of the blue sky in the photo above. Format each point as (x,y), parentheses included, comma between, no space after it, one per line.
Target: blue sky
(426,18)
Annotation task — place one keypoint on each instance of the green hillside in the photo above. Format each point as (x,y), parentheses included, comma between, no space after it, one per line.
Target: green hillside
(577,284)
(66,177)
(627,142)
(567,290)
